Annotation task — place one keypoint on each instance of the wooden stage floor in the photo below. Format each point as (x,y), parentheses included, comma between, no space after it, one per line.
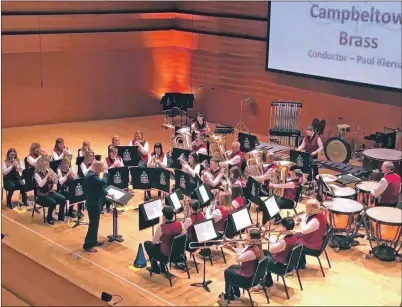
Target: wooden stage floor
(353,280)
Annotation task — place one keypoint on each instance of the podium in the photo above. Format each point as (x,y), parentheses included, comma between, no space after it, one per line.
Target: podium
(117,197)
(185,182)
(129,155)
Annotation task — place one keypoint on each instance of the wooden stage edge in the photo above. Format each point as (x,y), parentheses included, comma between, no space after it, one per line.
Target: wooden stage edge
(353,280)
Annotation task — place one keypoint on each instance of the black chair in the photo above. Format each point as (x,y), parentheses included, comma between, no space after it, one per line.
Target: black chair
(177,255)
(297,199)
(258,278)
(291,266)
(318,253)
(35,204)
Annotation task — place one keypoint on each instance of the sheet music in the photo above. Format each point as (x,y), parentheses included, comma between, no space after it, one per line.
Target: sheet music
(242,219)
(115,194)
(204,194)
(272,206)
(205,231)
(175,201)
(153,209)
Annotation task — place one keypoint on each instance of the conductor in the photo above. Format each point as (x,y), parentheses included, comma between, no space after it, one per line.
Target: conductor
(95,198)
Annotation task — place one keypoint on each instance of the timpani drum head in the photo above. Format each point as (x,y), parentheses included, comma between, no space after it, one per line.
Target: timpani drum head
(367,186)
(337,150)
(343,206)
(342,191)
(383,154)
(386,215)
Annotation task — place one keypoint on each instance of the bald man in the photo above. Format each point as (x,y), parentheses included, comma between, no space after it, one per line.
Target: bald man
(313,226)
(235,158)
(95,197)
(389,187)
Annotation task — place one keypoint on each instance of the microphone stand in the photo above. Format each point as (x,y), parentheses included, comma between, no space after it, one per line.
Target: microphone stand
(204,282)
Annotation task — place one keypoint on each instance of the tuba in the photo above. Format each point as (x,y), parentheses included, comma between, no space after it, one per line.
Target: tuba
(274,177)
(217,148)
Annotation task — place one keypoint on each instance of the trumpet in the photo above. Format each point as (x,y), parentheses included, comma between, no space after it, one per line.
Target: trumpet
(182,160)
(53,177)
(155,161)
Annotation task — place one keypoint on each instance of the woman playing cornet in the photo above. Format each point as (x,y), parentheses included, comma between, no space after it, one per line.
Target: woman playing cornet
(66,173)
(12,171)
(115,142)
(213,176)
(34,154)
(143,148)
(192,167)
(60,150)
(156,159)
(86,146)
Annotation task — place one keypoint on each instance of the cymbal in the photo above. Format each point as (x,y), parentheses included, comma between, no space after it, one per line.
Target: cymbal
(168,126)
(327,177)
(285,163)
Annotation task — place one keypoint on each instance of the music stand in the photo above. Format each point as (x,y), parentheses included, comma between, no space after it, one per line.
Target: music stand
(303,161)
(117,197)
(118,177)
(204,231)
(129,155)
(237,221)
(149,214)
(160,179)
(247,142)
(173,200)
(55,165)
(76,194)
(252,190)
(176,153)
(185,182)
(141,178)
(202,158)
(204,195)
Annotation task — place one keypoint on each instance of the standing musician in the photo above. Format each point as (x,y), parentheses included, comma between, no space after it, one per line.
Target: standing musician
(312,144)
(12,171)
(292,190)
(236,177)
(66,174)
(237,198)
(235,157)
(267,169)
(143,148)
(243,274)
(200,126)
(59,150)
(45,180)
(156,159)
(115,142)
(161,244)
(199,146)
(88,160)
(86,146)
(219,211)
(195,217)
(389,187)
(313,226)
(192,167)
(95,198)
(213,176)
(34,154)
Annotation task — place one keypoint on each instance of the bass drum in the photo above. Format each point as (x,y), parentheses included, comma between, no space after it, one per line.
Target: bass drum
(337,149)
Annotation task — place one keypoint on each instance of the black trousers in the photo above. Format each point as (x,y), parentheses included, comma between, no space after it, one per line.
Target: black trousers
(71,208)
(231,278)
(274,266)
(51,200)
(306,250)
(93,226)
(284,203)
(11,185)
(106,202)
(154,252)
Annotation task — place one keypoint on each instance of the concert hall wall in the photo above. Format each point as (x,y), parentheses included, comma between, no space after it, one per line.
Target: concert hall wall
(214,49)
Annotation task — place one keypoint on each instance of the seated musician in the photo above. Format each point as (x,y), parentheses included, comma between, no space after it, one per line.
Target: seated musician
(313,226)
(115,142)
(192,167)
(219,212)
(389,187)
(243,274)
(86,146)
(159,248)
(267,169)
(195,217)
(235,157)
(236,177)
(200,126)
(156,159)
(35,153)
(199,145)
(66,174)
(213,176)
(45,181)
(313,145)
(87,163)
(143,148)
(237,198)
(292,189)
(12,180)
(59,150)
(111,161)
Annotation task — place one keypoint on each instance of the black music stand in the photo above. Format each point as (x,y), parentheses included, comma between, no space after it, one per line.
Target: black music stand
(141,178)
(185,182)
(173,200)
(323,188)
(160,179)
(120,197)
(149,214)
(55,165)
(129,155)
(176,153)
(202,158)
(252,190)
(247,142)
(204,195)
(76,194)
(204,231)
(237,221)
(118,177)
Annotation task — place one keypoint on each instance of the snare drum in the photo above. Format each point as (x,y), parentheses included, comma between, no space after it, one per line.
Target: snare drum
(374,158)
(364,195)
(343,192)
(385,223)
(342,212)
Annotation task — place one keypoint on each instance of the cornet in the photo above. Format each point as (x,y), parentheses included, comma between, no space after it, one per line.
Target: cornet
(52,175)
(181,159)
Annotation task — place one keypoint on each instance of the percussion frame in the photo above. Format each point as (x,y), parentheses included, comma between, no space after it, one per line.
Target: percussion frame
(350,234)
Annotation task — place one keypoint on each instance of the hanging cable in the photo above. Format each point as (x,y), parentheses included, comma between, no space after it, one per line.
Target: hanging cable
(40,51)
